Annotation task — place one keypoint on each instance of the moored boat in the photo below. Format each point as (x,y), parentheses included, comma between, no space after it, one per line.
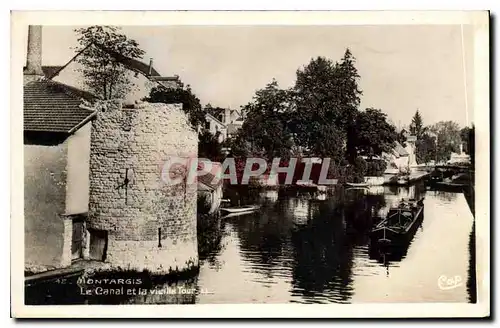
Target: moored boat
(358,185)
(240,209)
(403,180)
(232,215)
(400,223)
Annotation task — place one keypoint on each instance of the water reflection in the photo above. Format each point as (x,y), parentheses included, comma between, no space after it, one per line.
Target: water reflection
(303,247)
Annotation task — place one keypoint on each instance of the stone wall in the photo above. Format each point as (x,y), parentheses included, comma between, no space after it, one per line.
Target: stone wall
(150,224)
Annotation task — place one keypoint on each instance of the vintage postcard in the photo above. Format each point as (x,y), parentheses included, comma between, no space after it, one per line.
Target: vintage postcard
(250,164)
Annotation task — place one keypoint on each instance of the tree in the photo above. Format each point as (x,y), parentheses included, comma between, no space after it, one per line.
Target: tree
(417,126)
(209,146)
(374,134)
(472,145)
(326,98)
(468,140)
(103,74)
(425,145)
(425,148)
(265,130)
(190,103)
(448,138)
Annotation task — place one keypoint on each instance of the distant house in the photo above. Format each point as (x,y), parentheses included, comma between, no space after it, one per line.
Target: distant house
(234,126)
(230,120)
(397,160)
(210,189)
(216,127)
(459,158)
(57,122)
(143,76)
(234,120)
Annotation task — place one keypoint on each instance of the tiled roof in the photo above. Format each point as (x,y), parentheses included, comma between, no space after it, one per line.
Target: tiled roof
(215,119)
(54,107)
(131,63)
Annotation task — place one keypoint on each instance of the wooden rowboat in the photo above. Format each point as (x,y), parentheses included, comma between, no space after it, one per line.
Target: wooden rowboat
(240,209)
(359,185)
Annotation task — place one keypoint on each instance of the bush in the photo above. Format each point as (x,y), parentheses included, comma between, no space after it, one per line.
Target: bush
(376,168)
(360,166)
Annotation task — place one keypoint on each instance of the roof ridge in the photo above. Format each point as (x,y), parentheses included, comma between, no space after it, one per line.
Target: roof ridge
(121,57)
(216,119)
(70,90)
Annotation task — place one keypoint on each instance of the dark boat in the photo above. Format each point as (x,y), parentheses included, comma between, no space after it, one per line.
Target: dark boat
(400,224)
(434,177)
(456,183)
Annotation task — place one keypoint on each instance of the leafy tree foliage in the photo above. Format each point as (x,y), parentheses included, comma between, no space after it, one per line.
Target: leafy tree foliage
(190,103)
(209,146)
(468,140)
(376,168)
(448,138)
(265,130)
(374,133)
(102,73)
(425,148)
(318,116)
(326,97)
(417,125)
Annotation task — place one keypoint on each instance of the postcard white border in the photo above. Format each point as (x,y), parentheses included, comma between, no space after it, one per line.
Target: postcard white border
(480,20)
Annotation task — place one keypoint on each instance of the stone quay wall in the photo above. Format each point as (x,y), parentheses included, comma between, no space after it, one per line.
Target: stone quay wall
(150,224)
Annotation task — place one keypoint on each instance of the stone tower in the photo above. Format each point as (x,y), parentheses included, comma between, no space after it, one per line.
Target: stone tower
(136,220)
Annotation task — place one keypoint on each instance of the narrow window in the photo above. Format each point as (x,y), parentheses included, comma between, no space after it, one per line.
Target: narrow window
(159,237)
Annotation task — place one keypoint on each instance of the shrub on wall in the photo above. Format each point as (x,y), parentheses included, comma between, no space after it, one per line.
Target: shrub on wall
(376,168)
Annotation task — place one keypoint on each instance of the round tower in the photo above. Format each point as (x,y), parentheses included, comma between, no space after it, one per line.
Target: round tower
(136,220)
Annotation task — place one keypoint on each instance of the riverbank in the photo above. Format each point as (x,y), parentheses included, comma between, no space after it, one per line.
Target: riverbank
(89,268)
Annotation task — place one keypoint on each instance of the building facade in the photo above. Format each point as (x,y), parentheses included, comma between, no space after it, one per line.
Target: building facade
(56,173)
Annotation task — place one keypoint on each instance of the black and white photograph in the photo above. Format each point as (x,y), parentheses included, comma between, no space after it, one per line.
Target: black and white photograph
(331,161)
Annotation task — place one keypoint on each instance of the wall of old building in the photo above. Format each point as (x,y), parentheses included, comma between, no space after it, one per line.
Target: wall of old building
(77,187)
(139,88)
(44,205)
(149,223)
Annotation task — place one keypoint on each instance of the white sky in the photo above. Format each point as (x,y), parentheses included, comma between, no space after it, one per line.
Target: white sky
(402,68)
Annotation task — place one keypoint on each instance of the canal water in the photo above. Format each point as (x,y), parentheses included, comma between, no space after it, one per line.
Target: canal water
(309,248)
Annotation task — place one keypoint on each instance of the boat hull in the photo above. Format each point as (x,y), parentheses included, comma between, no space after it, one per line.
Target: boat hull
(240,210)
(386,236)
(358,185)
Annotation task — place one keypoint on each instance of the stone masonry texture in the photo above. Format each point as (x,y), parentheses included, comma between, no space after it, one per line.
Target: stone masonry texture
(151,225)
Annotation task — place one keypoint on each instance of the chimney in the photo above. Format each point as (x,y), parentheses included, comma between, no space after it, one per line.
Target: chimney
(150,66)
(227,116)
(34,55)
